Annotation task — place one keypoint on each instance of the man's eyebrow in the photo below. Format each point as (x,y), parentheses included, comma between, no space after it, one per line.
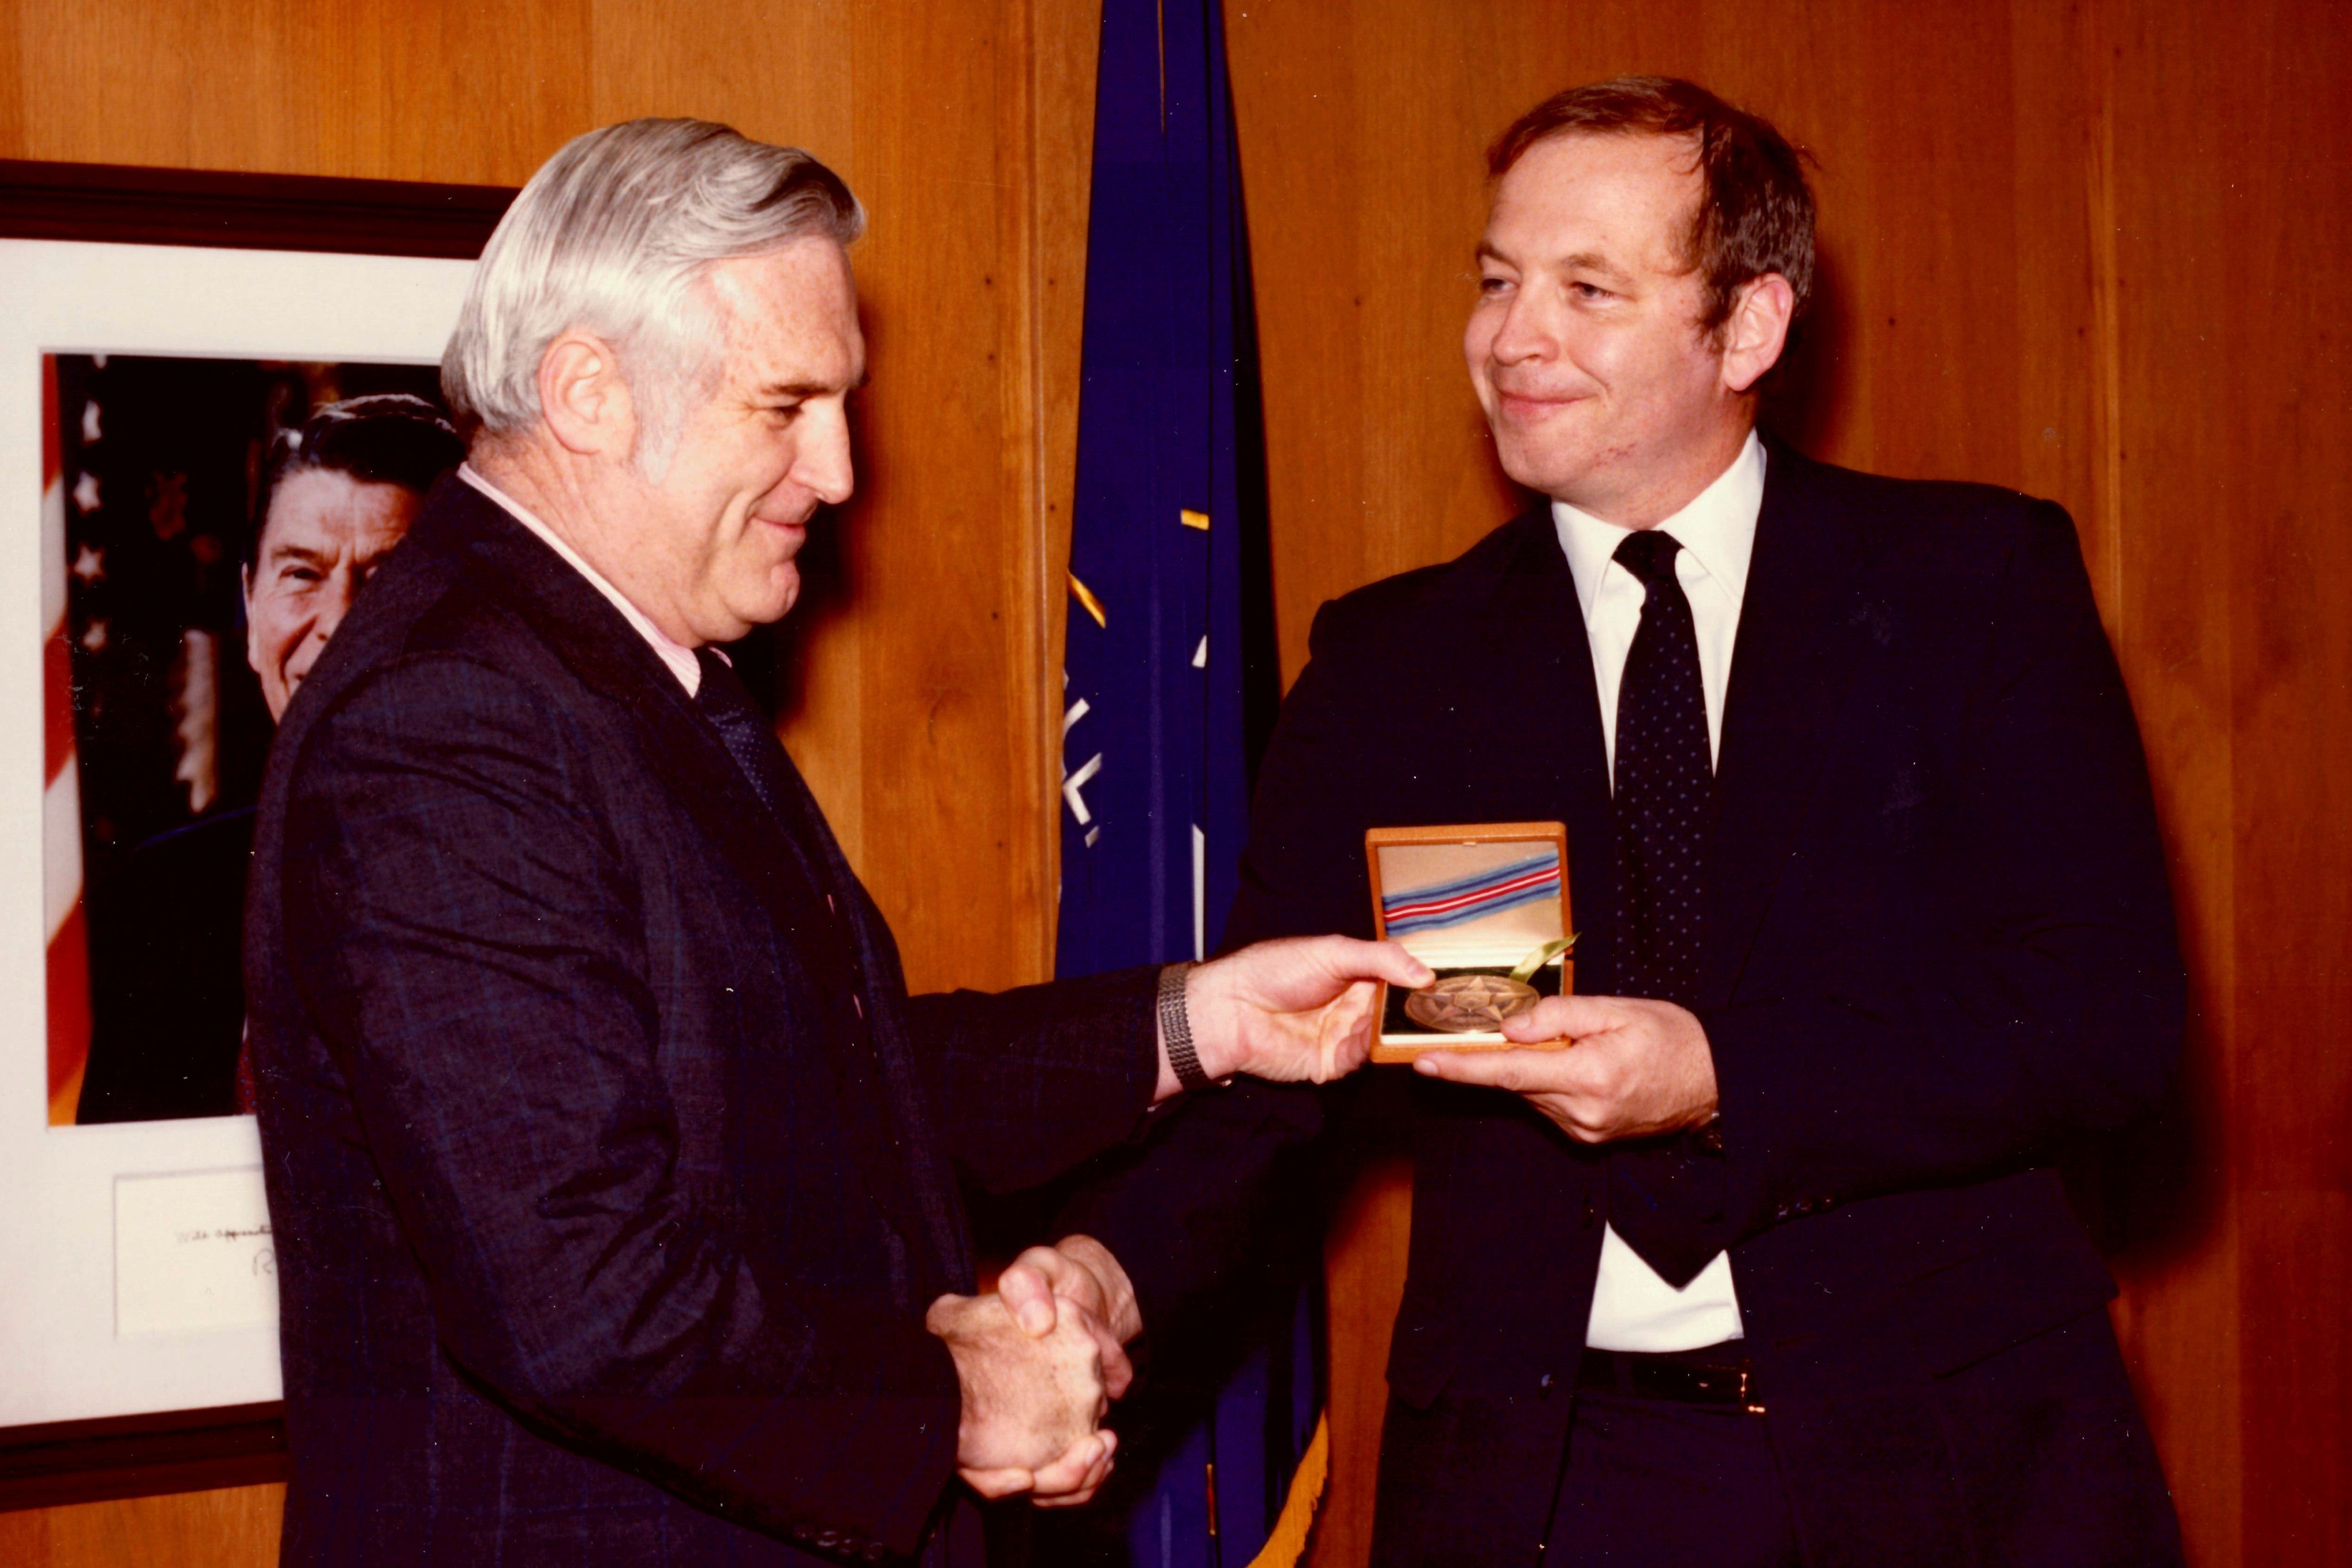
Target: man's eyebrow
(287,549)
(1579,261)
(794,389)
(1594,261)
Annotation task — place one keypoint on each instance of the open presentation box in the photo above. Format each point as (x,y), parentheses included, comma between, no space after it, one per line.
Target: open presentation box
(1487,907)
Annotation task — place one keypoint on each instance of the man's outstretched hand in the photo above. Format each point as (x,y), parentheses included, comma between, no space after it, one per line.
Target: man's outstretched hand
(1031,1402)
(1636,1068)
(1295,1010)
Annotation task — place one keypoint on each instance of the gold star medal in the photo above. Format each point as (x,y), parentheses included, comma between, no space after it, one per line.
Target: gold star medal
(1473,1004)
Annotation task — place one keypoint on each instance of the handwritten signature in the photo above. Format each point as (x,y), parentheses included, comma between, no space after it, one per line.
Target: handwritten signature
(226,1233)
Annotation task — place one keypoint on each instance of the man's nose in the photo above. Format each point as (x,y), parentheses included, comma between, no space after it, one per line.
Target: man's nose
(1529,331)
(334,604)
(824,463)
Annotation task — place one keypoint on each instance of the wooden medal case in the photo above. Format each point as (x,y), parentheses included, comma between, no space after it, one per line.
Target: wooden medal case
(1478,898)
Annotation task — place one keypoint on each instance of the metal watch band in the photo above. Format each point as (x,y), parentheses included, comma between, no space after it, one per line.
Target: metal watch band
(1176,1028)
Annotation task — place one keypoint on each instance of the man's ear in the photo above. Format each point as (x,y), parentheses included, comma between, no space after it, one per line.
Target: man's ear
(1756,331)
(584,398)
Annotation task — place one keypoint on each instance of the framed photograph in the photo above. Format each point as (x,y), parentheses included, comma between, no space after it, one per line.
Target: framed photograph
(172,343)
(1486,906)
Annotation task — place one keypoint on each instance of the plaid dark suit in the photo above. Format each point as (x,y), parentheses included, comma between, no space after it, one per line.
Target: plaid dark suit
(610,1171)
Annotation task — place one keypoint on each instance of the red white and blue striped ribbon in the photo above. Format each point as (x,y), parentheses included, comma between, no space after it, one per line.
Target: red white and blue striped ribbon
(1469,898)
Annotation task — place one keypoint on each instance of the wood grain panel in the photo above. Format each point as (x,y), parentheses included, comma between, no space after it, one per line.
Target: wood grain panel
(228,1529)
(438,90)
(2182,1318)
(944,555)
(2277,149)
(1068,35)
(781,73)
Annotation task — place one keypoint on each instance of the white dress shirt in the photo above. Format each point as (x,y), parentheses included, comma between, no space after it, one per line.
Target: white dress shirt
(675,654)
(1632,1308)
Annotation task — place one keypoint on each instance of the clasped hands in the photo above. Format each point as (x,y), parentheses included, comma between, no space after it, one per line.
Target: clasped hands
(1039,1361)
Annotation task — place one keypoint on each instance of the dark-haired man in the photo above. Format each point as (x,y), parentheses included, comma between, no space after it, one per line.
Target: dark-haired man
(335,495)
(337,492)
(1770,1266)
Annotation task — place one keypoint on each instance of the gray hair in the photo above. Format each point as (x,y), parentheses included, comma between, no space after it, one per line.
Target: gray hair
(614,236)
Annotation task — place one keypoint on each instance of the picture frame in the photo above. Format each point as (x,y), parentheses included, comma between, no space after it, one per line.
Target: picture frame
(96,260)
(1483,905)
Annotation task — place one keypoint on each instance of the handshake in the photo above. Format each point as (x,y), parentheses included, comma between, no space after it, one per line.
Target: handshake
(1040,1361)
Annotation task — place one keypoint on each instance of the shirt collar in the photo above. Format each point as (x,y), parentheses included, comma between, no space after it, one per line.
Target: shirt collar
(1718,528)
(673,653)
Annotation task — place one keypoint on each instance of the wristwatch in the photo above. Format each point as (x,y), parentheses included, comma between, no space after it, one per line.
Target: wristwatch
(1176,1028)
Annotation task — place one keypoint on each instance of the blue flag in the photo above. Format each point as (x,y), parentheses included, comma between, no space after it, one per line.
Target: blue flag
(1170,674)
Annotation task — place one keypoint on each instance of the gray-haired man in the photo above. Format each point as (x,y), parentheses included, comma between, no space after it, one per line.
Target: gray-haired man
(610,1163)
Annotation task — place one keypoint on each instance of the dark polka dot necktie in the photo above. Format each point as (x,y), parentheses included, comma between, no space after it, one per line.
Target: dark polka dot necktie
(1665,785)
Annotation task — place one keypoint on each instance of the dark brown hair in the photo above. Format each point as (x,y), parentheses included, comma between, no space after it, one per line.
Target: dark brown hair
(386,437)
(1756,214)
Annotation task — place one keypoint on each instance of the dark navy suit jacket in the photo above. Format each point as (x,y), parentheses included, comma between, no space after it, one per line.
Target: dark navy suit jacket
(611,1170)
(1938,946)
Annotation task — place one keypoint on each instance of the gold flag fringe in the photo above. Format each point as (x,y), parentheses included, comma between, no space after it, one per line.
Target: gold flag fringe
(1286,1546)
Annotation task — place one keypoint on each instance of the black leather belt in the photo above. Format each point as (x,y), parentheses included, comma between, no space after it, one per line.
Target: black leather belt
(1718,1374)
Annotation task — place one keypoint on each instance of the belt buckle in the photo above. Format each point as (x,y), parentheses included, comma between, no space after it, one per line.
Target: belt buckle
(1738,1382)
(1748,1392)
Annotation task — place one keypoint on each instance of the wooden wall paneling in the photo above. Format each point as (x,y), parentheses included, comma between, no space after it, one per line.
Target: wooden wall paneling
(2279,169)
(941,556)
(2170,460)
(2063,183)
(12,73)
(1291,79)
(439,90)
(1424,469)
(228,1529)
(1067,39)
(780,73)
(1919,218)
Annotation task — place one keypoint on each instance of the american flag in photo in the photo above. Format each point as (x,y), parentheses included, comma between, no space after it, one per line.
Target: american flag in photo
(69,976)
(1467,899)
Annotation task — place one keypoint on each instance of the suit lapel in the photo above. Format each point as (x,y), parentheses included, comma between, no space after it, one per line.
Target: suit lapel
(1796,651)
(512,565)
(1541,662)
(876,952)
